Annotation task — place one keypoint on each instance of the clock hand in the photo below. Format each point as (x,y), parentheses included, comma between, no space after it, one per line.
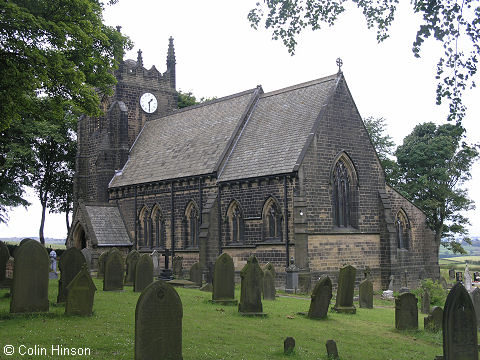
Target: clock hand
(149,105)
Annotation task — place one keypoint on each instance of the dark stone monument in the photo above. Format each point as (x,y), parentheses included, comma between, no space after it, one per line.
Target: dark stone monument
(101,264)
(131,264)
(406,312)
(113,277)
(4,256)
(321,296)
(87,254)
(425,308)
(81,292)
(224,280)
(475,295)
(346,285)
(143,273)
(459,326)
(196,274)
(268,285)
(158,323)
(332,352)
(433,322)
(288,345)
(451,274)
(70,264)
(476,276)
(30,279)
(177,265)
(459,276)
(251,288)
(365,294)
(166,273)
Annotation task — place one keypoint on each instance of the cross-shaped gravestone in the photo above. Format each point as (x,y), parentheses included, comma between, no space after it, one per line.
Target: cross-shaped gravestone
(167,253)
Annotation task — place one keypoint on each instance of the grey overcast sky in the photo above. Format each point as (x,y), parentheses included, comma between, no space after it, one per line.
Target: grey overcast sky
(218,54)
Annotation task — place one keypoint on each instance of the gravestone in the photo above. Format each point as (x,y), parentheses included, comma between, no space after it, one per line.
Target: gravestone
(24,241)
(30,279)
(321,296)
(459,326)
(80,294)
(390,284)
(210,272)
(476,276)
(451,274)
(101,264)
(87,254)
(288,345)
(156,257)
(113,277)
(406,312)
(433,322)
(131,265)
(177,265)
(332,352)
(425,308)
(53,265)
(269,266)
(196,274)
(158,323)
(251,288)
(4,256)
(404,288)
(459,276)
(365,294)
(468,279)
(143,273)
(475,295)
(70,264)
(224,280)
(346,285)
(291,278)
(268,285)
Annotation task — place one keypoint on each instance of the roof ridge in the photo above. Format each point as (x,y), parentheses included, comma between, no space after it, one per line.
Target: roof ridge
(301,85)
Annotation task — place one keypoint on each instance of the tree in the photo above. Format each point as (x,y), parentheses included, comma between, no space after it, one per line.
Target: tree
(434,162)
(186,99)
(456,24)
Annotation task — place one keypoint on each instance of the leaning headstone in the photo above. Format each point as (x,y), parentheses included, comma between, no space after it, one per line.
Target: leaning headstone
(365,294)
(158,323)
(113,277)
(425,308)
(321,296)
(30,279)
(451,274)
(433,322)
(101,264)
(346,285)
(87,254)
(268,285)
(223,280)
(288,345)
(475,295)
(81,292)
(251,288)
(177,265)
(459,326)
(4,256)
(332,352)
(70,264)
(468,279)
(196,274)
(143,273)
(131,265)
(406,312)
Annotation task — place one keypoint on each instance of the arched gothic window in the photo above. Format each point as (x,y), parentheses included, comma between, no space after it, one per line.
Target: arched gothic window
(344,193)
(272,221)
(157,229)
(235,231)
(192,225)
(402,227)
(143,227)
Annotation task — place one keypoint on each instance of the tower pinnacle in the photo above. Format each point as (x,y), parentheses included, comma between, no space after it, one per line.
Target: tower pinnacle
(139,58)
(171,61)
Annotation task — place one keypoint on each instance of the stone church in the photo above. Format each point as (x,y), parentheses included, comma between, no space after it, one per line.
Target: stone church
(289,175)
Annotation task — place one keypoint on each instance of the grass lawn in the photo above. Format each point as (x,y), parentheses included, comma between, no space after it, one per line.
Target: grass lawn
(218,332)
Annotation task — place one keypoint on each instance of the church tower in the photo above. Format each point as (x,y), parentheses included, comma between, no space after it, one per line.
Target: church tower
(104,142)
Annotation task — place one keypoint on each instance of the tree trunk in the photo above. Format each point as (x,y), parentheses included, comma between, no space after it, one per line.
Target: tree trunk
(67,220)
(42,223)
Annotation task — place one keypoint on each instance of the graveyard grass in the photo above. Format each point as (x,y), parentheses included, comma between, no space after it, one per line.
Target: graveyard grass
(212,331)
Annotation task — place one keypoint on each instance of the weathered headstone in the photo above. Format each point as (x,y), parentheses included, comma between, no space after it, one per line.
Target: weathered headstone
(268,285)
(53,265)
(24,241)
(304,282)
(475,295)
(425,308)
(269,266)
(251,288)
(158,323)
(433,322)
(406,312)
(143,273)
(451,274)
(288,345)
(468,279)
(156,257)
(101,264)
(87,254)
(459,326)
(365,294)
(131,265)
(404,288)
(332,352)
(81,292)
(30,279)
(390,284)
(196,274)
(113,277)
(321,296)
(177,265)
(459,276)
(69,265)
(346,285)
(224,280)
(4,256)
(291,278)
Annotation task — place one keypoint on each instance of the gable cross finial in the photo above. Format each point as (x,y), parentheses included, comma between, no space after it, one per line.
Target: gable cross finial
(339,64)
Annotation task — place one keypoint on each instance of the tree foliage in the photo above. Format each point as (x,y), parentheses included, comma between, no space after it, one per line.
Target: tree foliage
(186,99)
(434,162)
(455,23)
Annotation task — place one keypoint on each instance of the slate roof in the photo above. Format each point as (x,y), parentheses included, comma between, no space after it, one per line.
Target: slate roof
(108,225)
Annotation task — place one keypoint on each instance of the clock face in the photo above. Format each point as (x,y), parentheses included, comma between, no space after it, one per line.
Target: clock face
(148,102)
